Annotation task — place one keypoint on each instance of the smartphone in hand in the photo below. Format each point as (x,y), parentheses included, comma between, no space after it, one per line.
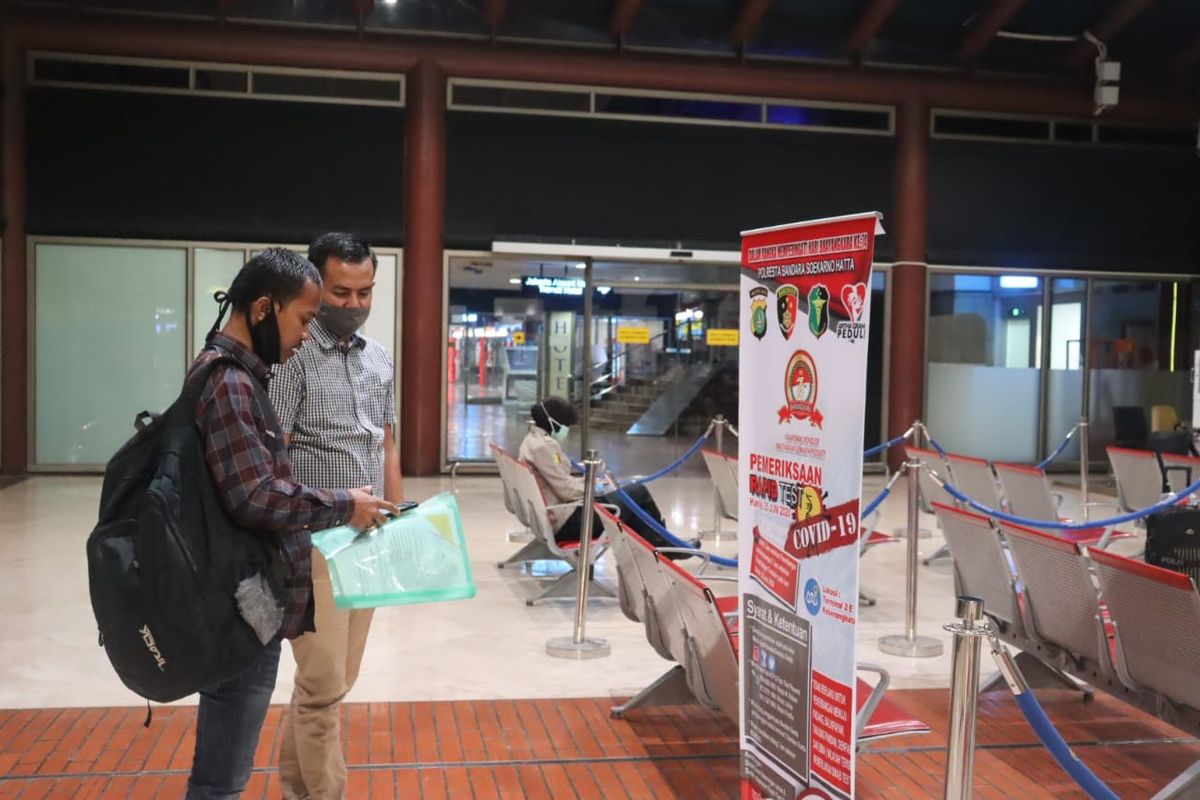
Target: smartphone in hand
(403,506)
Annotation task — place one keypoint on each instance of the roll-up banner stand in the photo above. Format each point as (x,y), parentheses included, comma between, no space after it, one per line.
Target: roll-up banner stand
(803,361)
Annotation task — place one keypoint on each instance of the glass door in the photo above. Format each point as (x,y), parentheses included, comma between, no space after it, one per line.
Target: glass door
(1064,376)
(984,352)
(516,334)
(509,343)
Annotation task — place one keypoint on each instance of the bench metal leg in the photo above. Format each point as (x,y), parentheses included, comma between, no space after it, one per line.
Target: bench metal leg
(533,551)
(1185,785)
(520,535)
(668,689)
(941,552)
(1039,675)
(566,586)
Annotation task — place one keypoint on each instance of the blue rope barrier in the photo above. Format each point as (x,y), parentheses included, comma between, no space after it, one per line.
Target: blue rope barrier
(1058,452)
(934,443)
(674,465)
(879,448)
(1068,526)
(1053,741)
(645,517)
(874,504)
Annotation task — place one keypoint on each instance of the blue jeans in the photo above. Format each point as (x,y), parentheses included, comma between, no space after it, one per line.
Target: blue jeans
(227,727)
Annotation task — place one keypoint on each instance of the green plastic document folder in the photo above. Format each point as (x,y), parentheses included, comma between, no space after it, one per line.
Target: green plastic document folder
(418,557)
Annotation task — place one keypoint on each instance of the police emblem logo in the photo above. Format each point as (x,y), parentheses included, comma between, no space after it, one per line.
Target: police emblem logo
(758,311)
(787,304)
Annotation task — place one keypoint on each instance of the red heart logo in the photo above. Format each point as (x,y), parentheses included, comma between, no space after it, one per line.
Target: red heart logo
(854,298)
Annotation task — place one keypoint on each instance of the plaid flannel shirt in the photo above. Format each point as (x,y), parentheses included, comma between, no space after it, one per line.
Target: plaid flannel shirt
(253,474)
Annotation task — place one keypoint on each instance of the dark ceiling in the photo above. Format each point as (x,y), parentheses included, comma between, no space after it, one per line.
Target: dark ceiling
(1157,41)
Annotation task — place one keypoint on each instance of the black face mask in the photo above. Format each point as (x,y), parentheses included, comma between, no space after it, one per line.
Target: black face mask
(265,338)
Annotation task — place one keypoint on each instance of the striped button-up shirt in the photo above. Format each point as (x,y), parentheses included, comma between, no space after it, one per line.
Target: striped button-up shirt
(334,400)
(253,474)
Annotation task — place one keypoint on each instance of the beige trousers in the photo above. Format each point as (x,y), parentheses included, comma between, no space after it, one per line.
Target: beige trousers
(311,763)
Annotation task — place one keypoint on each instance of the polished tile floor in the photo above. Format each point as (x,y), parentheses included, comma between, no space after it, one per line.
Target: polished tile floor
(490,647)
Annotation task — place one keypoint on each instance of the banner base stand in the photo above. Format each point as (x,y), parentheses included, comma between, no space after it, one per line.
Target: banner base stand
(567,647)
(916,647)
(716,535)
(902,533)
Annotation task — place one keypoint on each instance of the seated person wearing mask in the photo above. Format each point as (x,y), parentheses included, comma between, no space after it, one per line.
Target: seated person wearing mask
(542,450)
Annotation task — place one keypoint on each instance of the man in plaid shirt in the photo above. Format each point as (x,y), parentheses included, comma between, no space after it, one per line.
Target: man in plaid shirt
(337,406)
(273,299)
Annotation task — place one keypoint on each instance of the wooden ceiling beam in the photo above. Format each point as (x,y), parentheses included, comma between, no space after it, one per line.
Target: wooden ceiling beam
(624,14)
(985,26)
(870,20)
(1119,14)
(494,12)
(749,18)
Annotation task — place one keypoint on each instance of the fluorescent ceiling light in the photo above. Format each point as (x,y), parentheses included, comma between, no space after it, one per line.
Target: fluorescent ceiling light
(1018,282)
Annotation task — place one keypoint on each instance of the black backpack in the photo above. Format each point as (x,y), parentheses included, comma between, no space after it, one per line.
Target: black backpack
(165,561)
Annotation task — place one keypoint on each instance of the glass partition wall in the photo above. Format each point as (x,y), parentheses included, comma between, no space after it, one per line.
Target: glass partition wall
(662,360)
(1007,381)
(1140,359)
(114,326)
(515,334)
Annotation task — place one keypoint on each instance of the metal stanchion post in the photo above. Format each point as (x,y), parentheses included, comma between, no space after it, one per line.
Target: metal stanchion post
(718,425)
(964,688)
(910,644)
(1083,467)
(578,646)
(920,438)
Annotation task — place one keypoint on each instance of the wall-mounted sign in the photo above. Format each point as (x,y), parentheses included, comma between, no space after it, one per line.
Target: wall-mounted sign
(721,337)
(633,335)
(560,341)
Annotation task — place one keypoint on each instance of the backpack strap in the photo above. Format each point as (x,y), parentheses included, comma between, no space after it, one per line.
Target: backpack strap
(195,383)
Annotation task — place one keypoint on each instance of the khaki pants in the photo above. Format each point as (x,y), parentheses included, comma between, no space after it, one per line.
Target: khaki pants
(311,764)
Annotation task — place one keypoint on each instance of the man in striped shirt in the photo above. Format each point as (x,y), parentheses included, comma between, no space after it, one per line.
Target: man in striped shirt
(336,404)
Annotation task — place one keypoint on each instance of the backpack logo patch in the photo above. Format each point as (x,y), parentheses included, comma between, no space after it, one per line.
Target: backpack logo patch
(152,646)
